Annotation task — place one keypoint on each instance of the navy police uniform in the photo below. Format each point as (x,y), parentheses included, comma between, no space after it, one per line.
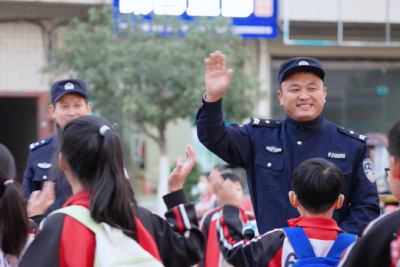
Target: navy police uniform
(270,151)
(43,160)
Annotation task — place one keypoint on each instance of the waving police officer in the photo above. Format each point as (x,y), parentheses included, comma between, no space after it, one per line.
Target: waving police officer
(270,150)
(70,101)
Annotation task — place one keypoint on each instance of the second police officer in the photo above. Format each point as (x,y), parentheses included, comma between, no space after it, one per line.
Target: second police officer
(270,150)
(69,101)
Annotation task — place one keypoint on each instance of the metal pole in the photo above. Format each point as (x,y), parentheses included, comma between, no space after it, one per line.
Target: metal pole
(387,23)
(340,23)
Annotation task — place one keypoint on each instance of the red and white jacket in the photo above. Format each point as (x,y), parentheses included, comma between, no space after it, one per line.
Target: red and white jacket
(64,242)
(273,248)
(208,226)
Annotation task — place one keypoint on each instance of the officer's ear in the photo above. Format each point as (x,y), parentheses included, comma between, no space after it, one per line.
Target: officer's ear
(61,162)
(279,94)
(52,110)
(324,94)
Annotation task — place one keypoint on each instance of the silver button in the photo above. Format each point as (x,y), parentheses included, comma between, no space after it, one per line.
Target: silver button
(36,144)
(269,164)
(44,177)
(42,141)
(299,143)
(351,132)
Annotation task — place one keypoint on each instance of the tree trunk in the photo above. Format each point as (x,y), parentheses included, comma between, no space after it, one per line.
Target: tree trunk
(163,174)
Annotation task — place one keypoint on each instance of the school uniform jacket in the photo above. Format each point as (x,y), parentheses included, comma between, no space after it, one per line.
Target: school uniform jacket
(64,242)
(208,226)
(373,247)
(273,248)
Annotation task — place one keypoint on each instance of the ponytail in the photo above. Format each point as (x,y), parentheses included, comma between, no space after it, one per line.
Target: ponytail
(93,151)
(14,220)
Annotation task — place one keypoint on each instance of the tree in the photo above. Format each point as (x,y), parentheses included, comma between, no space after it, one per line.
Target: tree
(153,72)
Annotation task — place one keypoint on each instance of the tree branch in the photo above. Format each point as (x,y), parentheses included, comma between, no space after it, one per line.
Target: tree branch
(146,132)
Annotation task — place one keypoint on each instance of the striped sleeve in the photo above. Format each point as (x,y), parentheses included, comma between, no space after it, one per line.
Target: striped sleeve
(265,250)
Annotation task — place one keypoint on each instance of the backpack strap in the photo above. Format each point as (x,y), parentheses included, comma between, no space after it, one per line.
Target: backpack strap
(81,214)
(299,241)
(343,241)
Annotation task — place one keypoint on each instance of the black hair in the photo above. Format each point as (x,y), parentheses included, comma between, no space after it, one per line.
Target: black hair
(14,219)
(232,177)
(97,162)
(317,184)
(394,140)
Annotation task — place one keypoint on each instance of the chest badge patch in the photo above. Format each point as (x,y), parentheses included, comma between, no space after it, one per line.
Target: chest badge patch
(335,155)
(274,149)
(44,165)
(368,167)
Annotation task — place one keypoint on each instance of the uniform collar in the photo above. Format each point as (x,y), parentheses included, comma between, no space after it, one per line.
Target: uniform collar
(308,128)
(314,222)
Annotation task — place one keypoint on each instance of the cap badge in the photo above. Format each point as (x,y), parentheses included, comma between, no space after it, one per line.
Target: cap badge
(303,63)
(69,86)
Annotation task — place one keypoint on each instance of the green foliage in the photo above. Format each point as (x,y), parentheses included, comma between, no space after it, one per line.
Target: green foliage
(152,78)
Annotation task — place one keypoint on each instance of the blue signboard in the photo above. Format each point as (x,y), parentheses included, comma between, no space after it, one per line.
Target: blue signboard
(251,18)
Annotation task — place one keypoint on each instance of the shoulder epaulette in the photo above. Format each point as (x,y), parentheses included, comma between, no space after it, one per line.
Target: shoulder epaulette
(256,122)
(43,142)
(353,134)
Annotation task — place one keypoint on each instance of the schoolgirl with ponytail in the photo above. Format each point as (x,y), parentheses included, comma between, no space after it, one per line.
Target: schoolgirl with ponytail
(92,159)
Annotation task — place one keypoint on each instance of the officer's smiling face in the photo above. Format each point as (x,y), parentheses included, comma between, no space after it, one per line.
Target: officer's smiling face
(68,108)
(302,96)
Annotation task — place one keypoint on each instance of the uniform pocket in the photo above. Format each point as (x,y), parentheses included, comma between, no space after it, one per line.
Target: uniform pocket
(269,171)
(41,175)
(347,170)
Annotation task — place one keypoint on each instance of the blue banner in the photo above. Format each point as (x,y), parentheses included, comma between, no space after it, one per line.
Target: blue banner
(250,18)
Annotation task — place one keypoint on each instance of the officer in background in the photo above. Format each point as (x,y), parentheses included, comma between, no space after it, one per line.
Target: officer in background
(70,101)
(270,150)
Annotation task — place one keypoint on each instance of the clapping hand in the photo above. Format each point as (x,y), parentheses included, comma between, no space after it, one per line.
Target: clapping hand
(217,77)
(39,201)
(224,190)
(182,170)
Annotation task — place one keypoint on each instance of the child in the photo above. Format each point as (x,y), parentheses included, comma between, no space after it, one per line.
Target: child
(317,184)
(373,247)
(208,226)
(15,234)
(91,157)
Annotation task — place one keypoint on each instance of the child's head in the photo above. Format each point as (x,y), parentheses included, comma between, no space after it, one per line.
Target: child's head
(394,150)
(14,220)
(91,157)
(317,184)
(237,185)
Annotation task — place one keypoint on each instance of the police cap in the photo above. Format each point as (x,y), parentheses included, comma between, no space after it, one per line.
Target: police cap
(64,87)
(300,64)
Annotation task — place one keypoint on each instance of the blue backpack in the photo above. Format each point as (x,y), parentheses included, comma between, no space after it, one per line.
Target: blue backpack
(305,253)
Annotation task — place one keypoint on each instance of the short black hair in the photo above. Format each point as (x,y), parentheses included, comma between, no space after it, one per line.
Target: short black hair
(394,140)
(317,184)
(232,177)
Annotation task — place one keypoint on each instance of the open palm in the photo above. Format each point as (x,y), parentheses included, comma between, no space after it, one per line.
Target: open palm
(182,170)
(217,77)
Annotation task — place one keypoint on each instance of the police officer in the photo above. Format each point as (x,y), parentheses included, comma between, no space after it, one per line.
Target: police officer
(70,101)
(270,150)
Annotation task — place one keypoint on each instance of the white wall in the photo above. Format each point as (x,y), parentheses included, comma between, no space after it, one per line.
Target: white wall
(22,55)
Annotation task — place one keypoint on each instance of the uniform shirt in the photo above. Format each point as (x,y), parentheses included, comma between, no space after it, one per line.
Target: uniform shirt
(42,167)
(64,242)
(270,151)
(208,226)
(373,247)
(272,249)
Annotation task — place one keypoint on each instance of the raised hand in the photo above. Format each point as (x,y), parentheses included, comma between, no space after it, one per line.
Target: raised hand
(182,170)
(217,77)
(40,201)
(224,190)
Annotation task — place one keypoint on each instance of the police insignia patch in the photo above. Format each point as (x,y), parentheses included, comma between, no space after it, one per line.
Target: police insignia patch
(369,169)
(274,149)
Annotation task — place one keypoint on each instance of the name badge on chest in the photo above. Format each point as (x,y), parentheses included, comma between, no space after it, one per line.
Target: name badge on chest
(335,155)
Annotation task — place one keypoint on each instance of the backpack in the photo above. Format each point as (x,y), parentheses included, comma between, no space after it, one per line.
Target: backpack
(305,253)
(113,247)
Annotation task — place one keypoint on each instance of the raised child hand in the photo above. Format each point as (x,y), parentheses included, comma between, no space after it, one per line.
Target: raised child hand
(182,170)
(224,190)
(39,201)
(217,77)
